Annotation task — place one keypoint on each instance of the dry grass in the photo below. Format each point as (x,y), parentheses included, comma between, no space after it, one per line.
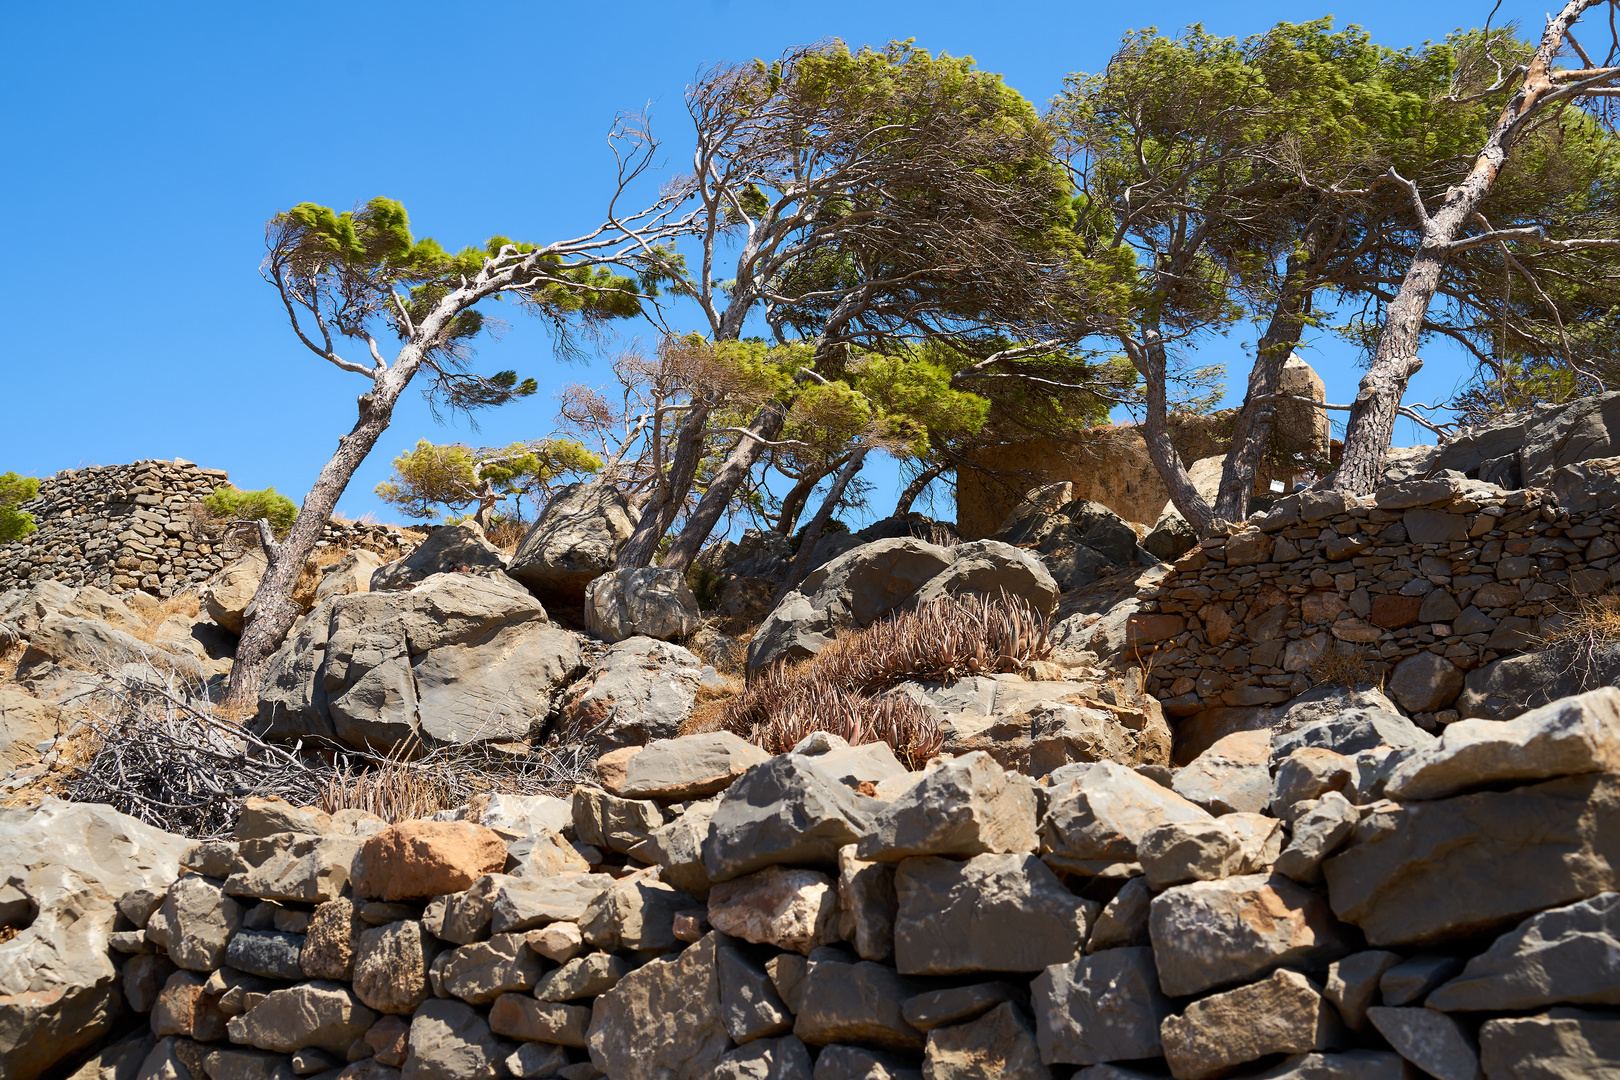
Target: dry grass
(186,604)
(839,689)
(506,533)
(1587,630)
(309,579)
(1350,668)
(395,789)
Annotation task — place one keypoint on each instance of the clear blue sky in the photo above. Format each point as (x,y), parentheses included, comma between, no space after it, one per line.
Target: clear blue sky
(148,143)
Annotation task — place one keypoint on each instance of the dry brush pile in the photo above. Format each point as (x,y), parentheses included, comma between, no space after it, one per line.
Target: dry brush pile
(843,689)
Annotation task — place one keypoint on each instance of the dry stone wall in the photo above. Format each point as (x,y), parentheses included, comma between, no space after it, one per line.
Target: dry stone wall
(133,527)
(1422,582)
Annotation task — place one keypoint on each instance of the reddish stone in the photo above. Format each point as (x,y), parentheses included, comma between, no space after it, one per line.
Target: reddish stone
(417,860)
(1392,611)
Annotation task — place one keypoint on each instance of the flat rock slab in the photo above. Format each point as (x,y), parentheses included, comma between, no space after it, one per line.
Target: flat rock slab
(689,767)
(1216,933)
(1561,1043)
(1428,872)
(1283,1014)
(783,811)
(1566,738)
(1098,813)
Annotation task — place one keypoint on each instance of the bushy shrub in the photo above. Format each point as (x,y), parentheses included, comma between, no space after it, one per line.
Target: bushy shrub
(14,523)
(235,505)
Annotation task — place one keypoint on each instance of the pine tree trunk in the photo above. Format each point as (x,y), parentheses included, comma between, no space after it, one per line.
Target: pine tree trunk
(273,610)
(1150,359)
(1372,416)
(794,501)
(767,424)
(812,532)
(918,485)
(669,494)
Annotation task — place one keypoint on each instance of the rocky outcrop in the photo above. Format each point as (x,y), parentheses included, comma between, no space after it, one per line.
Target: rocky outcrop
(573,541)
(449,549)
(459,658)
(648,601)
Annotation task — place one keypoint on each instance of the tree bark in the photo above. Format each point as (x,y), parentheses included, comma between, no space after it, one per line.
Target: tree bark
(1149,357)
(668,495)
(1372,415)
(273,610)
(1257,419)
(794,501)
(918,485)
(767,424)
(812,532)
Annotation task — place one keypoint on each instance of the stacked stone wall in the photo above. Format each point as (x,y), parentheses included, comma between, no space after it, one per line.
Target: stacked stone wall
(1456,571)
(133,527)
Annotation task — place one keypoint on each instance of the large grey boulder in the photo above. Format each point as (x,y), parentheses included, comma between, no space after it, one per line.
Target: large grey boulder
(991,913)
(1569,954)
(449,549)
(1216,933)
(963,806)
(1566,738)
(785,811)
(228,595)
(1433,871)
(67,864)
(1106,1007)
(650,601)
(640,691)
(1350,731)
(991,568)
(1512,685)
(662,1021)
(575,539)
(1098,813)
(458,658)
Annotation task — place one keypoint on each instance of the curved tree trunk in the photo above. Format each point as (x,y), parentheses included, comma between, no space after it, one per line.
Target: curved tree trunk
(668,494)
(918,485)
(273,610)
(812,532)
(794,501)
(1372,416)
(1150,359)
(1257,419)
(767,424)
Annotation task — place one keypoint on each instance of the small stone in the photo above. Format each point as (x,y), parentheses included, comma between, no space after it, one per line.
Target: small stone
(997,1046)
(785,811)
(766,1059)
(1425,682)
(449,1040)
(319,1014)
(195,923)
(184,1008)
(635,912)
(391,965)
(1409,981)
(867,905)
(750,1007)
(559,942)
(607,821)
(1564,1042)
(936,1008)
(1124,920)
(689,767)
(1352,983)
(584,977)
(479,973)
(855,1001)
(964,806)
(1321,827)
(793,909)
(1433,1041)
(519,1016)
(420,859)
(1103,1007)
(534,1059)
(267,953)
(387,1040)
(329,944)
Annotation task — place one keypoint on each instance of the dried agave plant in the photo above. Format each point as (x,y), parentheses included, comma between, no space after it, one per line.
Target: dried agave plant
(841,690)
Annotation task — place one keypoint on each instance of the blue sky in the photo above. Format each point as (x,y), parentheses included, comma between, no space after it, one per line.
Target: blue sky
(149,143)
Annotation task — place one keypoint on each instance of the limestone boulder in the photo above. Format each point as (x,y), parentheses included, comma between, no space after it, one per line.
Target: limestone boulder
(195,923)
(998,1044)
(1098,813)
(767,1059)
(582,977)
(1427,872)
(793,909)
(422,859)
(846,1001)
(991,568)
(1504,688)
(689,767)
(963,806)
(1179,852)
(526,904)
(449,549)
(677,848)
(785,811)
(25,722)
(63,869)
(481,972)
(607,821)
(575,539)
(294,866)
(990,913)
(1565,738)
(1561,1042)
(639,692)
(391,965)
(635,912)
(1233,775)
(326,1016)
(450,1040)
(350,574)
(1106,1007)
(519,1016)
(1037,727)
(1569,955)
(498,686)
(1211,934)
(1284,1014)
(229,594)
(662,1021)
(866,906)
(647,601)
(1349,731)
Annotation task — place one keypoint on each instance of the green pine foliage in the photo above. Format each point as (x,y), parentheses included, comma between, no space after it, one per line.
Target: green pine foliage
(236,505)
(14,523)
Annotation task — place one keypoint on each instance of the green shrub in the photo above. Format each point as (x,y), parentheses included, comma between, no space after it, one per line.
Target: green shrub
(14,489)
(232,504)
